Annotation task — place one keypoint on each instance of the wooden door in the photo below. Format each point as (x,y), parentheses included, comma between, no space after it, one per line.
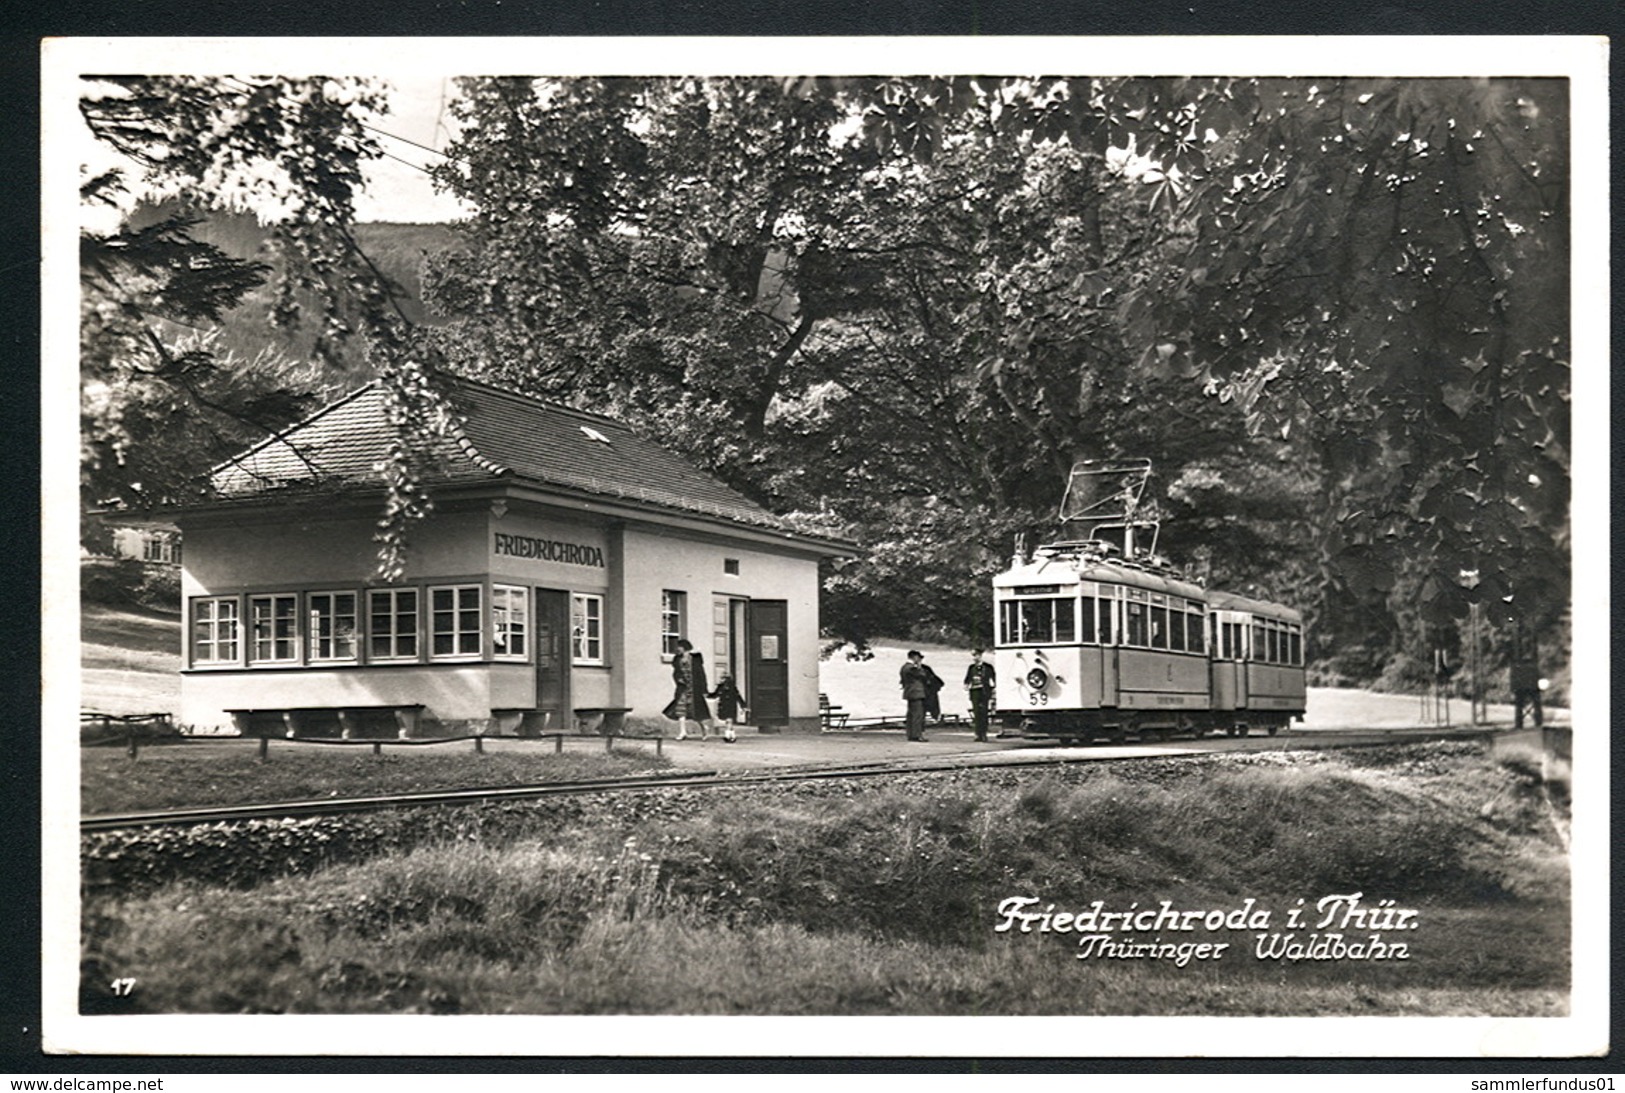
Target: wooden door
(768,658)
(553,658)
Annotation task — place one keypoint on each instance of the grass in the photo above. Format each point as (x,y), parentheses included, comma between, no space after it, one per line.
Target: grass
(129,659)
(822,899)
(229,773)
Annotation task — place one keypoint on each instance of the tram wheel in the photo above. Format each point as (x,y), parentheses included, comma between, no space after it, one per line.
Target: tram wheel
(1274,729)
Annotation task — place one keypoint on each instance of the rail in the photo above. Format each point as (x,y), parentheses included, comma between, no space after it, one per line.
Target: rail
(700,779)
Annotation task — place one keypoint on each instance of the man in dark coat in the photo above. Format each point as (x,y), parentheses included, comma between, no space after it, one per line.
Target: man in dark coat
(979,681)
(933,692)
(1525,677)
(913,679)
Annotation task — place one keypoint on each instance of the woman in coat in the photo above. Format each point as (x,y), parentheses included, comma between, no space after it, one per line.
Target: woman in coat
(688,700)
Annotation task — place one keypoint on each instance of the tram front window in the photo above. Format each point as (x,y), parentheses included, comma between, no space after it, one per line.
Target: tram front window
(1037,622)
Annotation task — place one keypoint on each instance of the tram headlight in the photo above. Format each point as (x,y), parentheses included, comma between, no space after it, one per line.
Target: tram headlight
(1038,679)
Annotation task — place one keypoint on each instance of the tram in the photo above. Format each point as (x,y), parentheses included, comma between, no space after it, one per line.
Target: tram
(1098,638)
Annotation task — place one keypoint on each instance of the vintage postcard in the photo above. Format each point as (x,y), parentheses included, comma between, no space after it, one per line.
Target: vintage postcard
(602,547)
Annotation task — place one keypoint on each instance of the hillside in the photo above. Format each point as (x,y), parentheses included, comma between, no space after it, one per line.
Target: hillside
(397,250)
(129,659)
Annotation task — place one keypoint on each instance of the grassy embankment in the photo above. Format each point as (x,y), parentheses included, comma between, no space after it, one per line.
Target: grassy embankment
(882,897)
(189,773)
(129,659)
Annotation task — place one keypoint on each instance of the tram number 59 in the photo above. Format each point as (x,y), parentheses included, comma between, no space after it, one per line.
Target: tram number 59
(1037,698)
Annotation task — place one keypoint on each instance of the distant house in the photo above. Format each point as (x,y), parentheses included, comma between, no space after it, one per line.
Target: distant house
(564,559)
(158,545)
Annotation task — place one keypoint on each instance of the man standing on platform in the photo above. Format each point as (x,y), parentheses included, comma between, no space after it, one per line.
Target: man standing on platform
(912,679)
(1525,676)
(979,680)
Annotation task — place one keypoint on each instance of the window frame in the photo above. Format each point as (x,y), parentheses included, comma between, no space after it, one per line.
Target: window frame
(1015,615)
(503,626)
(395,614)
(1136,624)
(673,621)
(459,632)
(314,621)
(1088,618)
(214,621)
(582,640)
(294,639)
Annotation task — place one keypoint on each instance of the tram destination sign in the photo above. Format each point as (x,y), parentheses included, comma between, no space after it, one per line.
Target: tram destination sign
(548,550)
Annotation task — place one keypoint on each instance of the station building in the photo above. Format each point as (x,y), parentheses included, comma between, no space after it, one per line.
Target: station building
(564,558)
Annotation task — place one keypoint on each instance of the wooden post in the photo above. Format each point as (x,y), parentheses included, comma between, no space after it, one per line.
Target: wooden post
(377,748)
(479,744)
(129,736)
(558,744)
(265,746)
(658,741)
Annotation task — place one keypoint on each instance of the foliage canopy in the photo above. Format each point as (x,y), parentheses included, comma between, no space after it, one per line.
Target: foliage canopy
(1334,312)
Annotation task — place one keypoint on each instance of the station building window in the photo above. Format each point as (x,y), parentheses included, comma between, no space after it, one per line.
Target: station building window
(454,621)
(215,630)
(332,622)
(274,623)
(392,624)
(587,628)
(673,620)
(510,622)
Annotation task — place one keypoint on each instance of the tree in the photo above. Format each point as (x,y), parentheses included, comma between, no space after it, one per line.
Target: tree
(832,321)
(290,150)
(1403,272)
(1374,269)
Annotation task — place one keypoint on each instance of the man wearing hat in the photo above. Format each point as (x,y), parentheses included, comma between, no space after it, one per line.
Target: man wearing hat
(913,679)
(979,681)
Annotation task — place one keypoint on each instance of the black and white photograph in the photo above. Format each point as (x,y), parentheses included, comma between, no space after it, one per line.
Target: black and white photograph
(558,545)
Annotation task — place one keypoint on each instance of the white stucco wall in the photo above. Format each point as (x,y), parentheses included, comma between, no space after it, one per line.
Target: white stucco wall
(656,561)
(628,566)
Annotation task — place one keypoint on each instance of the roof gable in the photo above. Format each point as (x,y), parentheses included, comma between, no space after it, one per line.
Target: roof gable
(502,435)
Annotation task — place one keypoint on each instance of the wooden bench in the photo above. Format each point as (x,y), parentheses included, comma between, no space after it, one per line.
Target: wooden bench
(135,726)
(524,721)
(830,717)
(607,720)
(296,720)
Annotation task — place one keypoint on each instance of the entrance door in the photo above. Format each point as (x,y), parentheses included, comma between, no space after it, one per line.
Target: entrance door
(1107,633)
(553,658)
(768,673)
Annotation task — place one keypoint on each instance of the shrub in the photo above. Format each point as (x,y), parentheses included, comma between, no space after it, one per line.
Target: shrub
(112,581)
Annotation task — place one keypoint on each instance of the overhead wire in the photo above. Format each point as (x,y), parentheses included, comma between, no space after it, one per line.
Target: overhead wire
(244,86)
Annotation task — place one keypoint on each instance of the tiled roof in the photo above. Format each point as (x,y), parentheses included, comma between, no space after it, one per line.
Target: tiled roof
(502,434)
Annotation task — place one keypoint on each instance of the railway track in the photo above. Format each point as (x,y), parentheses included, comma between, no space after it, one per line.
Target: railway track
(701,779)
